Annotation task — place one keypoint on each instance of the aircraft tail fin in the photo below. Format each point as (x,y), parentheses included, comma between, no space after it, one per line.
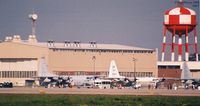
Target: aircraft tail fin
(43,70)
(185,74)
(113,70)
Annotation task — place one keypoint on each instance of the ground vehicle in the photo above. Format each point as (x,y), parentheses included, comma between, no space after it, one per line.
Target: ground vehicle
(1,85)
(137,86)
(6,85)
(85,85)
(102,84)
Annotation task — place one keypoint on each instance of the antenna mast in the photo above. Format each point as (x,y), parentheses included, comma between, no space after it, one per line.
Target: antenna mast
(33,17)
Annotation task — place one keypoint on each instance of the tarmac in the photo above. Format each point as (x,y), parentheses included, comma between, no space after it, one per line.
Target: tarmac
(85,91)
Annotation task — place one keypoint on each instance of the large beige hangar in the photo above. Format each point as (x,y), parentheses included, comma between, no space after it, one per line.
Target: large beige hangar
(20,59)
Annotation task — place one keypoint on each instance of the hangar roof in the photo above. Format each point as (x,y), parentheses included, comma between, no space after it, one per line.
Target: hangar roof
(73,45)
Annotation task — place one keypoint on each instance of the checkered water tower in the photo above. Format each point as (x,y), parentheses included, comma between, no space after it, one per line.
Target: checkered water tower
(181,24)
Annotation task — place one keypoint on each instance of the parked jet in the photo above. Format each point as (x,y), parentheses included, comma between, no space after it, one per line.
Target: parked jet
(113,71)
(186,77)
(48,79)
(118,80)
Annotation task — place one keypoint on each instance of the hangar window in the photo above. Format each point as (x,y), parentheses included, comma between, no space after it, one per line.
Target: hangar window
(103,50)
(142,51)
(79,73)
(136,51)
(150,52)
(127,51)
(18,74)
(137,74)
(195,70)
(168,67)
(103,73)
(3,74)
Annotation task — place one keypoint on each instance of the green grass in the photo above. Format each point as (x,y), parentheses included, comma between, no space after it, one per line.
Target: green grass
(95,100)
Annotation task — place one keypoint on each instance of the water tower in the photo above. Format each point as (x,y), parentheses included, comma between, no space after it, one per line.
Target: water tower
(181,23)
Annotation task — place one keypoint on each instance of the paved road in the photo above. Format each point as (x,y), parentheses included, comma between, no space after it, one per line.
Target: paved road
(161,92)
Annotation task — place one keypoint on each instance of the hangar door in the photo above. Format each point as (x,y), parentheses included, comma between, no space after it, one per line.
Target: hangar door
(18,67)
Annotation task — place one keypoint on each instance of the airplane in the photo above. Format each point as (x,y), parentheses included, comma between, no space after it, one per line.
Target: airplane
(48,78)
(186,77)
(114,74)
(117,79)
(113,71)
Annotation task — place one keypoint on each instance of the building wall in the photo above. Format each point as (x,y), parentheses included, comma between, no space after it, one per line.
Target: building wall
(194,67)
(19,61)
(19,58)
(82,61)
(169,73)
(20,50)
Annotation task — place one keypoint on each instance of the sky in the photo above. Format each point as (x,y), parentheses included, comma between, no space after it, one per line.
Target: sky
(129,22)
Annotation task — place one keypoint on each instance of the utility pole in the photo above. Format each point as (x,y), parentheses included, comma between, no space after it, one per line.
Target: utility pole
(134,61)
(94,60)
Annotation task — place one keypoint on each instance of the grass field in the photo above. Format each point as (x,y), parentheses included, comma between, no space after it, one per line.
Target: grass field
(95,100)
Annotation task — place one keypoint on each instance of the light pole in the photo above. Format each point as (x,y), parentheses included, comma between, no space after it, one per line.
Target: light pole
(33,17)
(134,60)
(94,59)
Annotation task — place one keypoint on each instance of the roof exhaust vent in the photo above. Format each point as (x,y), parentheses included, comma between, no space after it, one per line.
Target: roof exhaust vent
(76,43)
(32,39)
(66,43)
(16,38)
(50,43)
(8,38)
(93,44)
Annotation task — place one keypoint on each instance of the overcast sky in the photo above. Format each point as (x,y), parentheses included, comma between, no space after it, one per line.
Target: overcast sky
(130,22)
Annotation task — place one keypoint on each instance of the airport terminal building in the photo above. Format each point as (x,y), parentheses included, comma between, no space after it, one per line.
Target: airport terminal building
(20,59)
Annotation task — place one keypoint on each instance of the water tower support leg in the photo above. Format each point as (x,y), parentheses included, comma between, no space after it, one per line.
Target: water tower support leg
(173,44)
(196,44)
(186,45)
(164,44)
(180,48)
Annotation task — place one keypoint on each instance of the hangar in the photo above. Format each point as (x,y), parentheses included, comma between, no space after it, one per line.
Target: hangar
(20,59)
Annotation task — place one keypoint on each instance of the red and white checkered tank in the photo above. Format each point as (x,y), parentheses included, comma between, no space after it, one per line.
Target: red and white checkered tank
(180,16)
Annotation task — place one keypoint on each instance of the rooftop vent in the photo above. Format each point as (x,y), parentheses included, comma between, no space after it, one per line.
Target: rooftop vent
(32,39)
(76,43)
(93,44)
(8,38)
(50,43)
(16,38)
(66,43)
